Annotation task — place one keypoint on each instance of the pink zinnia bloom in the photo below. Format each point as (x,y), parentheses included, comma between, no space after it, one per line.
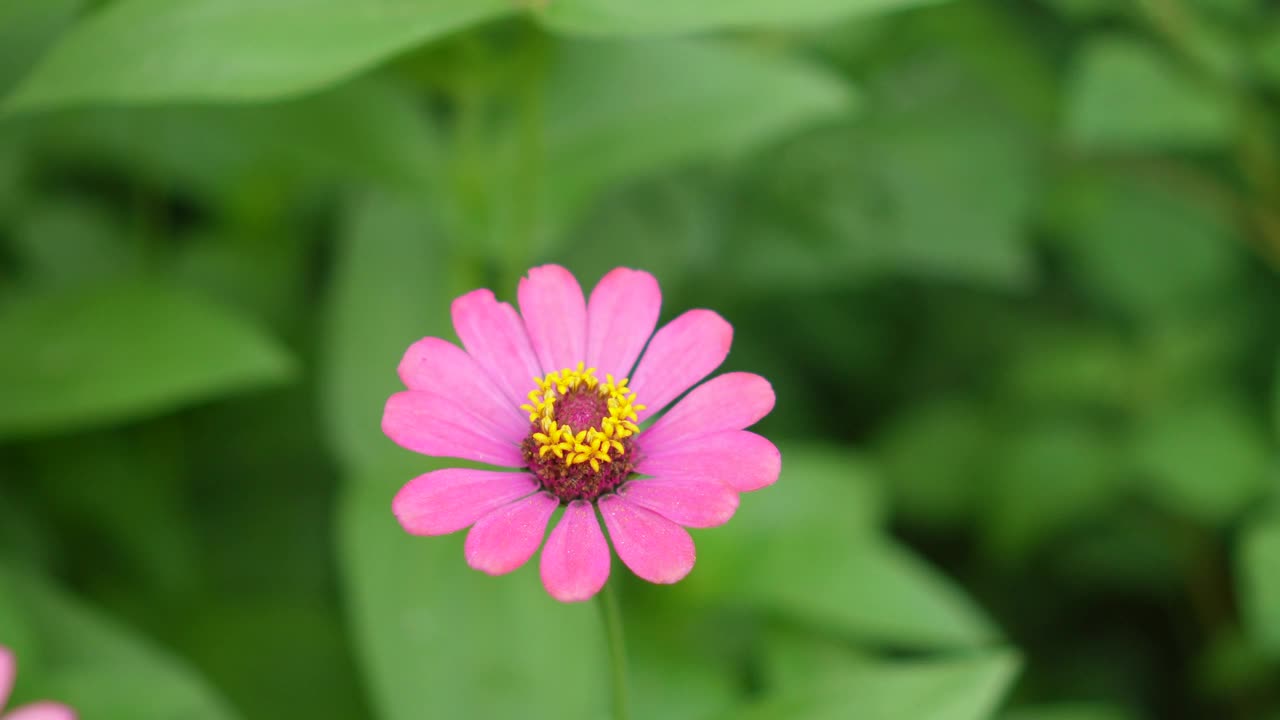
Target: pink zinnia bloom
(34,711)
(556,393)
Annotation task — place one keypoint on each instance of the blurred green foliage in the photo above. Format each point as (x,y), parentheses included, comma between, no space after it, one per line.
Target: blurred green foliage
(1011,267)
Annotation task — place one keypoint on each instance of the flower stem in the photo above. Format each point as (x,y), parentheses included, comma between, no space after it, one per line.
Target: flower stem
(612,616)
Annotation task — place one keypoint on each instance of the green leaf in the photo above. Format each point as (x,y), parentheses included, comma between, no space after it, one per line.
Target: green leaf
(62,243)
(26,28)
(961,689)
(895,193)
(1258,568)
(1049,477)
(1126,95)
(1203,459)
(435,634)
(363,130)
(714,100)
(393,288)
(680,665)
(618,17)
(68,652)
(1144,247)
(809,547)
(113,353)
(933,459)
(160,51)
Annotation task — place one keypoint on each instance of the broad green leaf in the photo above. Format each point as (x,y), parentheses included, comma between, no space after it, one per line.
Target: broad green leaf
(162,51)
(620,17)
(1203,459)
(251,155)
(713,100)
(1145,247)
(65,243)
(394,287)
(961,689)
(895,193)
(1258,568)
(1127,95)
(679,663)
(26,28)
(70,653)
(808,547)
(117,352)
(435,634)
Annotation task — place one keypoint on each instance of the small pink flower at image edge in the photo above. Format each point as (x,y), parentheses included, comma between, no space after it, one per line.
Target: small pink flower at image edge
(42,710)
(559,394)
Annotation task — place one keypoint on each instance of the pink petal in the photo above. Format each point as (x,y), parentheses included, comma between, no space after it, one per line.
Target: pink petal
(42,711)
(8,671)
(439,426)
(438,366)
(683,352)
(621,315)
(700,502)
(742,460)
(446,501)
(506,538)
(493,334)
(575,561)
(655,548)
(555,316)
(732,401)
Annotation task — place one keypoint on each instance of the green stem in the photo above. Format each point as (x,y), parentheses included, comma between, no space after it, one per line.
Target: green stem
(612,616)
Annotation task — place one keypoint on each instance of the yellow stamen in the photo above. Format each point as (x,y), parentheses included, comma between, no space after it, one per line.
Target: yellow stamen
(594,445)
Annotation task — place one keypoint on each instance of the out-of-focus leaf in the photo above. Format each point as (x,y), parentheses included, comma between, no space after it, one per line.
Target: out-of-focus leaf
(896,193)
(1126,95)
(394,287)
(700,100)
(159,51)
(360,131)
(1267,56)
(1069,711)
(122,351)
(963,689)
(1258,567)
(1048,478)
(807,547)
(70,653)
(436,634)
(60,244)
(312,672)
(681,665)
(1143,247)
(1073,367)
(619,17)
(1275,402)
(933,459)
(1083,10)
(26,28)
(1203,459)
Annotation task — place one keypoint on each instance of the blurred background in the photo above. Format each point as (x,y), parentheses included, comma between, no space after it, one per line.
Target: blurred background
(1010,265)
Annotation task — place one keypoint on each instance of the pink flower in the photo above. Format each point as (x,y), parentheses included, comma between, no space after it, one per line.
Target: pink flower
(556,393)
(34,711)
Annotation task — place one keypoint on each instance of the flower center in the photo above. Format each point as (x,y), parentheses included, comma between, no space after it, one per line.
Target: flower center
(579,445)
